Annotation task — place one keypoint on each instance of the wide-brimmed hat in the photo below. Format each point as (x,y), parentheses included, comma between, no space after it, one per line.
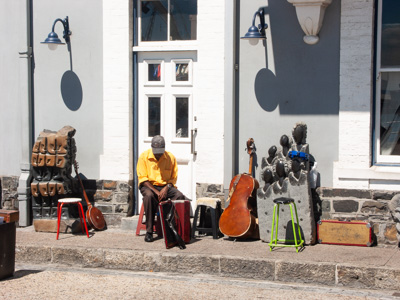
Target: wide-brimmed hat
(158,144)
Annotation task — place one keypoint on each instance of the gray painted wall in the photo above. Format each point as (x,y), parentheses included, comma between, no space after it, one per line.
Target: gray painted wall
(68,84)
(305,86)
(13,85)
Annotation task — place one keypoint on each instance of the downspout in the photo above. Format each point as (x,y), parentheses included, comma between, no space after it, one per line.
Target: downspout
(135,106)
(231,92)
(27,128)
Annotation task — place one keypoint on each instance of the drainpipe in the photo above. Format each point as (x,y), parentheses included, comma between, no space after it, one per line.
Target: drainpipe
(27,128)
(135,107)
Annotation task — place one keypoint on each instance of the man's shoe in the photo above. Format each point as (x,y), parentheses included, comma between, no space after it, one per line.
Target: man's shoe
(148,238)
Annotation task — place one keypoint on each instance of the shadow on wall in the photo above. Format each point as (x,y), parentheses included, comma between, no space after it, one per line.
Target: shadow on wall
(71,90)
(71,87)
(307,76)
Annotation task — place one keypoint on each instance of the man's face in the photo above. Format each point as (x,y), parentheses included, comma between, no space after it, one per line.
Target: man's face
(158,156)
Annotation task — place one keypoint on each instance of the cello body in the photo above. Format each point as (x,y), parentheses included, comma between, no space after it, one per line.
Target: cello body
(239,219)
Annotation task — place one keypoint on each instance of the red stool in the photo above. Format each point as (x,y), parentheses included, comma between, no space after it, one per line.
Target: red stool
(142,226)
(82,219)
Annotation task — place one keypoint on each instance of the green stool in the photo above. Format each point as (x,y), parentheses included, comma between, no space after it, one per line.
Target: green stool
(298,242)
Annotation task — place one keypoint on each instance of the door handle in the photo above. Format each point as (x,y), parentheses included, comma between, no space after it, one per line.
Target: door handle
(193,144)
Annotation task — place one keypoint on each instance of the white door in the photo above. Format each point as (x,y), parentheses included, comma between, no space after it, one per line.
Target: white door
(166,108)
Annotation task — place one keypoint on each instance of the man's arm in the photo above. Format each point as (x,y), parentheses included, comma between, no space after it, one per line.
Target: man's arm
(150,186)
(162,195)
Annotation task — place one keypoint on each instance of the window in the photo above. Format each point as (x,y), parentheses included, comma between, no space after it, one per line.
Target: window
(387,125)
(168,20)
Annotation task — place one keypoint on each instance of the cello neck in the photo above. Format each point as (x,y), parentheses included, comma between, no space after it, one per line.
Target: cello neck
(250,151)
(251,164)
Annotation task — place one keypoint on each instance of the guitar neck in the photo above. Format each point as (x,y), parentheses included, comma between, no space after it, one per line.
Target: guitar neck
(83,188)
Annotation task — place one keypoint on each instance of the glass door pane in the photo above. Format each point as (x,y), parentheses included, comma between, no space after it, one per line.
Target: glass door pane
(154,117)
(182,117)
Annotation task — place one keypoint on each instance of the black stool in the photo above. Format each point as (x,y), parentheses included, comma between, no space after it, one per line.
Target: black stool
(214,205)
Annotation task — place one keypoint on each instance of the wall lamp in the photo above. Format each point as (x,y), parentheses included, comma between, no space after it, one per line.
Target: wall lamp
(254,34)
(52,39)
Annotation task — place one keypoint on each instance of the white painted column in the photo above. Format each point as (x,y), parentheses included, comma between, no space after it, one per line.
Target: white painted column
(114,163)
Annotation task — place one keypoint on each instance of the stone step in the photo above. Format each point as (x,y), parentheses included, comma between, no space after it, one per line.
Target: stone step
(129,223)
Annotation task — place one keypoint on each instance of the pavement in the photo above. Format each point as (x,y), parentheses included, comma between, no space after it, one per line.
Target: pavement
(114,248)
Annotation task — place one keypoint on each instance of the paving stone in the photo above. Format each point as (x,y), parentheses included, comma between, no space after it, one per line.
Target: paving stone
(320,273)
(245,268)
(82,257)
(132,260)
(371,278)
(33,254)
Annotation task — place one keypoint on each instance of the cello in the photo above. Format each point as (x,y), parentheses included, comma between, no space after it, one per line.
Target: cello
(239,219)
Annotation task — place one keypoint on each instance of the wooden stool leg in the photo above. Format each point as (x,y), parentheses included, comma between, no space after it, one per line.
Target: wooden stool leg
(139,224)
(83,217)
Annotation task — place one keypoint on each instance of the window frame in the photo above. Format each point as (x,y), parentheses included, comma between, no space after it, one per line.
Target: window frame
(168,41)
(380,159)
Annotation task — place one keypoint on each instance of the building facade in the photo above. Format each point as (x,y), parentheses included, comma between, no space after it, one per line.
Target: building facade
(137,68)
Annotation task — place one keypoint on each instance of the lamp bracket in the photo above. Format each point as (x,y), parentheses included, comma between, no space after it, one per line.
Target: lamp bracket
(66,32)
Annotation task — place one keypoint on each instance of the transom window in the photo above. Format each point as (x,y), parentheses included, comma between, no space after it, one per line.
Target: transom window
(168,20)
(387,130)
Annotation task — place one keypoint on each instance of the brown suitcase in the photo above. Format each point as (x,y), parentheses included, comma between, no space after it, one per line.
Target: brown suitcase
(353,233)
(9,215)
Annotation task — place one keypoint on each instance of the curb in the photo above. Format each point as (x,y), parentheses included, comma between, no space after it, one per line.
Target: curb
(327,274)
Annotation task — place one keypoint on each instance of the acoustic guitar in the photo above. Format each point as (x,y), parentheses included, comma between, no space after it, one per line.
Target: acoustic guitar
(94,216)
(239,219)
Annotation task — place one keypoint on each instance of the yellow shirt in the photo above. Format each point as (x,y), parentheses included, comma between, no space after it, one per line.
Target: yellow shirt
(157,172)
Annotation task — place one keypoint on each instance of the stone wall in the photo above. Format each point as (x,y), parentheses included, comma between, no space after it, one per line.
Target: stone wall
(111,197)
(210,190)
(9,194)
(364,205)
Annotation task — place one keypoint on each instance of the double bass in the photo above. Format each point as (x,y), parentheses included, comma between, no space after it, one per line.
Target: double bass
(239,219)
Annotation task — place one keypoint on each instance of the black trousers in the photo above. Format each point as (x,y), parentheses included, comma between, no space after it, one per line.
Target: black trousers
(150,202)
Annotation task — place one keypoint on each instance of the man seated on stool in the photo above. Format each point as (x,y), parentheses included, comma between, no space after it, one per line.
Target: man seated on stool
(157,173)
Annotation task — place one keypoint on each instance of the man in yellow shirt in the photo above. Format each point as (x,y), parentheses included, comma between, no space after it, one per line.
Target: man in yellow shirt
(157,173)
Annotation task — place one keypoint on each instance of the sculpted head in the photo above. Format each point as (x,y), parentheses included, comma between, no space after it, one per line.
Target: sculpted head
(299,133)
(272,151)
(284,141)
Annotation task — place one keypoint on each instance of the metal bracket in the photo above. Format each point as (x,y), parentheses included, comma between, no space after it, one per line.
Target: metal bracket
(28,53)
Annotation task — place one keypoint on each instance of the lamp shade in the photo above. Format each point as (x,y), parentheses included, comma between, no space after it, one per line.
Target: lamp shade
(52,39)
(253,33)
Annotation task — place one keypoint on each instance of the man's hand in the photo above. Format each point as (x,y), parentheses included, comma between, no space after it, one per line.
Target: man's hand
(163,194)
